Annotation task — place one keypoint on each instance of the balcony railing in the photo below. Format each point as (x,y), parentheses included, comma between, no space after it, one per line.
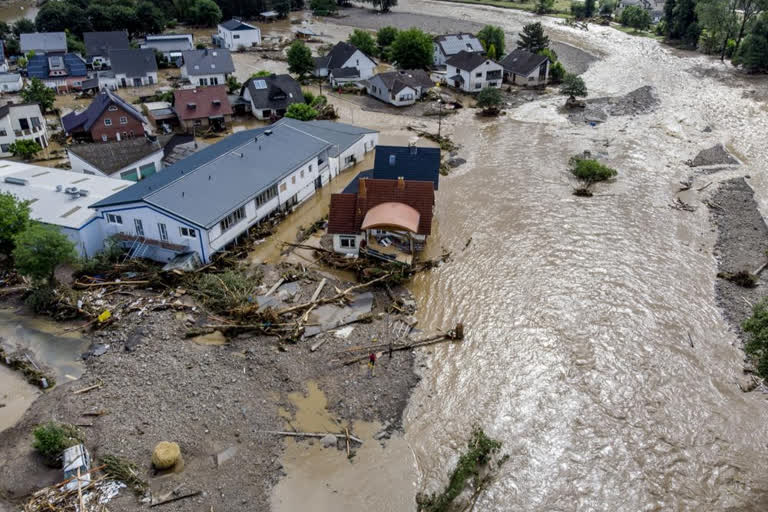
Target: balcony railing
(125,237)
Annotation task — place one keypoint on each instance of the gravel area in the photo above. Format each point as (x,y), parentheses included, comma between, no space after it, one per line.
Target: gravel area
(158,385)
(716,155)
(640,101)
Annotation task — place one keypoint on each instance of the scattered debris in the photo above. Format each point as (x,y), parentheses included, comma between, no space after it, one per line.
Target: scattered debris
(165,455)
(716,155)
(321,435)
(642,100)
(743,278)
(24,365)
(679,204)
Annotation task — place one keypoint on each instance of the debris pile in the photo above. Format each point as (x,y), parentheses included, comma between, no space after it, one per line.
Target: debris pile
(640,101)
(92,495)
(716,155)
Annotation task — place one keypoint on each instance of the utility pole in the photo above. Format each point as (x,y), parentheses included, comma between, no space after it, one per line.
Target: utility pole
(439,117)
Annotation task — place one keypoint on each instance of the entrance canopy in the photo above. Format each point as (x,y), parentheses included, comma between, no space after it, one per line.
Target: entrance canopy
(392,215)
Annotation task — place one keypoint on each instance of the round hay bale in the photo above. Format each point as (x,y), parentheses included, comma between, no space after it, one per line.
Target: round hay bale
(165,455)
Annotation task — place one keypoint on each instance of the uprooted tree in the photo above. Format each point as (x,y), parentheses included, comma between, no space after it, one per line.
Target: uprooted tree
(588,171)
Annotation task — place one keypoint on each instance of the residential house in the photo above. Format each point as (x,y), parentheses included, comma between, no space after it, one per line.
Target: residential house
(385,219)
(99,44)
(162,115)
(43,43)
(412,163)
(3,58)
(134,67)
(206,201)
(170,46)
(400,88)
(471,72)
(345,63)
(522,67)
(445,47)
(11,82)
(269,97)
(61,199)
(61,72)
(130,159)
(108,117)
(202,107)
(21,121)
(207,67)
(235,34)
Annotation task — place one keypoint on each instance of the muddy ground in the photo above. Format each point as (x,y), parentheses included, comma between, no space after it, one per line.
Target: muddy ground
(159,385)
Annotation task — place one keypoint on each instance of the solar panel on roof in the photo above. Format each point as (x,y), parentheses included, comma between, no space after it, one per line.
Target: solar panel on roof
(260,84)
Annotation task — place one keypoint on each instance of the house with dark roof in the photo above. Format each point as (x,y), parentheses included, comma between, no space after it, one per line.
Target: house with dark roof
(134,67)
(130,159)
(170,46)
(43,43)
(207,200)
(400,88)
(207,66)
(99,44)
(235,34)
(108,117)
(202,107)
(471,72)
(448,45)
(270,96)
(385,219)
(522,67)
(61,72)
(21,121)
(410,162)
(344,63)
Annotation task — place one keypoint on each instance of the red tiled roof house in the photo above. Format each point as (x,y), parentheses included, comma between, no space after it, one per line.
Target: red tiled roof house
(387,219)
(202,107)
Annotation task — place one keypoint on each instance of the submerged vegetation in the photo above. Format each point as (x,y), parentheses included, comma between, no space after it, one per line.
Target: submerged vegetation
(756,327)
(588,171)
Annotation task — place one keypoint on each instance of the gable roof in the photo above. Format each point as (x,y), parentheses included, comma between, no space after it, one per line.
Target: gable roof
(208,62)
(100,43)
(467,61)
(38,66)
(338,56)
(274,92)
(340,136)
(6,109)
(235,24)
(522,62)
(201,102)
(110,157)
(169,42)
(43,41)
(84,120)
(133,62)
(396,81)
(451,44)
(412,163)
(209,184)
(419,195)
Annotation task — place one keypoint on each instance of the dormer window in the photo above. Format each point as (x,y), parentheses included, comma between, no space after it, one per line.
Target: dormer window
(112,108)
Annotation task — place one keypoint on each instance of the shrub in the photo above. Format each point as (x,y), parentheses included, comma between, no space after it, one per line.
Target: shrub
(489,99)
(39,250)
(309,97)
(50,439)
(756,327)
(589,170)
(544,6)
(222,293)
(14,218)
(573,85)
(41,299)
(301,111)
(578,10)
(556,72)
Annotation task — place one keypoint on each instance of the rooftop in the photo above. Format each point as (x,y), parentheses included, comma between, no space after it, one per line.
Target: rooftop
(110,157)
(6,109)
(467,61)
(169,42)
(392,162)
(43,41)
(340,136)
(208,62)
(396,81)
(100,43)
(38,66)
(275,92)
(235,24)
(522,62)
(84,120)
(38,185)
(133,62)
(201,102)
(451,44)
(337,57)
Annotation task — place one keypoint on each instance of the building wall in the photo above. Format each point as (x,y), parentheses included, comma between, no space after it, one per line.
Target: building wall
(346,250)
(377,89)
(360,61)
(205,80)
(11,124)
(358,150)
(81,166)
(531,79)
(12,86)
(99,129)
(246,38)
(190,125)
(124,80)
(258,111)
(473,83)
(438,56)
(89,239)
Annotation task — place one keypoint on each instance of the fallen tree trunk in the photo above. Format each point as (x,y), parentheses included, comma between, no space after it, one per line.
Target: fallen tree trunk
(405,347)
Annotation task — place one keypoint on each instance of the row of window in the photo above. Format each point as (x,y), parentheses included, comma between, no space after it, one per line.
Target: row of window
(213,81)
(161,228)
(266,196)
(232,219)
(123,120)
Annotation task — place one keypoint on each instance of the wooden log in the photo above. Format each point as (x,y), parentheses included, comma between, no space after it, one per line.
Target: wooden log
(346,431)
(274,287)
(318,290)
(78,284)
(89,388)
(176,498)
(403,347)
(310,434)
(336,297)
(317,345)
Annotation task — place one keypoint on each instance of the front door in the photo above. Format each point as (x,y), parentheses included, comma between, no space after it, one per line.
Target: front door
(318,182)
(137,82)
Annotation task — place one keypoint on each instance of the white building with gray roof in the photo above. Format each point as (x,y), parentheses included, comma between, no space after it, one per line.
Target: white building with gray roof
(448,45)
(207,66)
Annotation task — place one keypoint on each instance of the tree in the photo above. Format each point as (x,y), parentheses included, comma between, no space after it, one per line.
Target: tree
(206,13)
(300,61)
(262,73)
(74,45)
(556,69)
(152,18)
(573,85)
(12,47)
(5,30)
(24,148)
(23,26)
(635,17)
(756,327)
(283,7)
(383,5)
(14,218)
(323,7)
(37,92)
(544,6)
(589,8)
(680,17)
(233,86)
(588,171)
(491,35)
(719,22)
(39,250)
(301,111)
(532,38)
(412,49)
(491,53)
(489,99)
(363,41)
(749,10)
(752,55)
(578,10)
(386,36)
(60,16)
(607,7)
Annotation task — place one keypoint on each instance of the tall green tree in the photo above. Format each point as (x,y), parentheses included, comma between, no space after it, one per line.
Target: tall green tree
(61,16)
(23,26)
(492,36)
(386,36)
(490,100)
(300,61)
(750,10)
(589,8)
(363,41)
(14,218)
(25,148)
(39,249)
(573,85)
(752,54)
(635,17)
(681,22)
(152,18)
(412,49)
(532,38)
(206,13)
(382,5)
(37,92)
(544,6)
(323,7)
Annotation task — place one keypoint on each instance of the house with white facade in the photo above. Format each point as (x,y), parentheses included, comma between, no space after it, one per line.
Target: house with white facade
(400,88)
(235,34)
(346,62)
(61,199)
(207,67)
(472,72)
(130,159)
(446,46)
(271,96)
(522,67)
(23,121)
(134,67)
(207,200)
(11,82)
(170,46)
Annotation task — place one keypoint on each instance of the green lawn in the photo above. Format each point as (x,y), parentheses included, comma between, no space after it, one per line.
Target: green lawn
(633,32)
(561,6)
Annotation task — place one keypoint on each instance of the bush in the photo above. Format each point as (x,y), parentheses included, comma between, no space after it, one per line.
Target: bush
(14,218)
(41,299)
(573,85)
(589,170)
(309,97)
(556,72)
(301,111)
(52,438)
(39,250)
(222,293)
(636,17)
(578,10)
(489,99)
(756,327)
(544,6)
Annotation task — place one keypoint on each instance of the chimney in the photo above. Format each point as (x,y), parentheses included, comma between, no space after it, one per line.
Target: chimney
(361,188)
(400,183)
(392,159)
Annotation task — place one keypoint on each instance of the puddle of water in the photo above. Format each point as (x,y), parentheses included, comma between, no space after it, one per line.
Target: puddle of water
(16,396)
(214,338)
(378,477)
(17,11)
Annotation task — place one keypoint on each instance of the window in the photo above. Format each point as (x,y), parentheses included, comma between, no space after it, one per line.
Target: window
(112,108)
(163,231)
(104,138)
(203,81)
(36,122)
(107,122)
(265,196)
(214,80)
(348,242)
(235,36)
(349,159)
(311,168)
(293,180)
(114,219)
(302,173)
(24,124)
(139,227)
(232,219)
(4,147)
(131,175)
(188,232)
(123,119)
(479,75)
(3,133)
(147,170)
(198,122)
(283,186)
(478,85)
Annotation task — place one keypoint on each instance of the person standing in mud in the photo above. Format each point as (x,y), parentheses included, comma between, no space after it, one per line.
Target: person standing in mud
(372,364)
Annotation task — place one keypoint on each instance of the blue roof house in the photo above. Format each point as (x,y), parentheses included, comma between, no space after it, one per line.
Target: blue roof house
(60,72)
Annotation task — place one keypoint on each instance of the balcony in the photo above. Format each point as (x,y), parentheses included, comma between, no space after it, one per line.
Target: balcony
(125,237)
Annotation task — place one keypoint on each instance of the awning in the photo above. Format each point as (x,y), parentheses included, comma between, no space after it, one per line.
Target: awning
(175,54)
(392,215)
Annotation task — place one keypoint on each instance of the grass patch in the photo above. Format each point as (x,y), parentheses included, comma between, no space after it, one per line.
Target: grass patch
(125,471)
(51,439)
(756,328)
(221,293)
